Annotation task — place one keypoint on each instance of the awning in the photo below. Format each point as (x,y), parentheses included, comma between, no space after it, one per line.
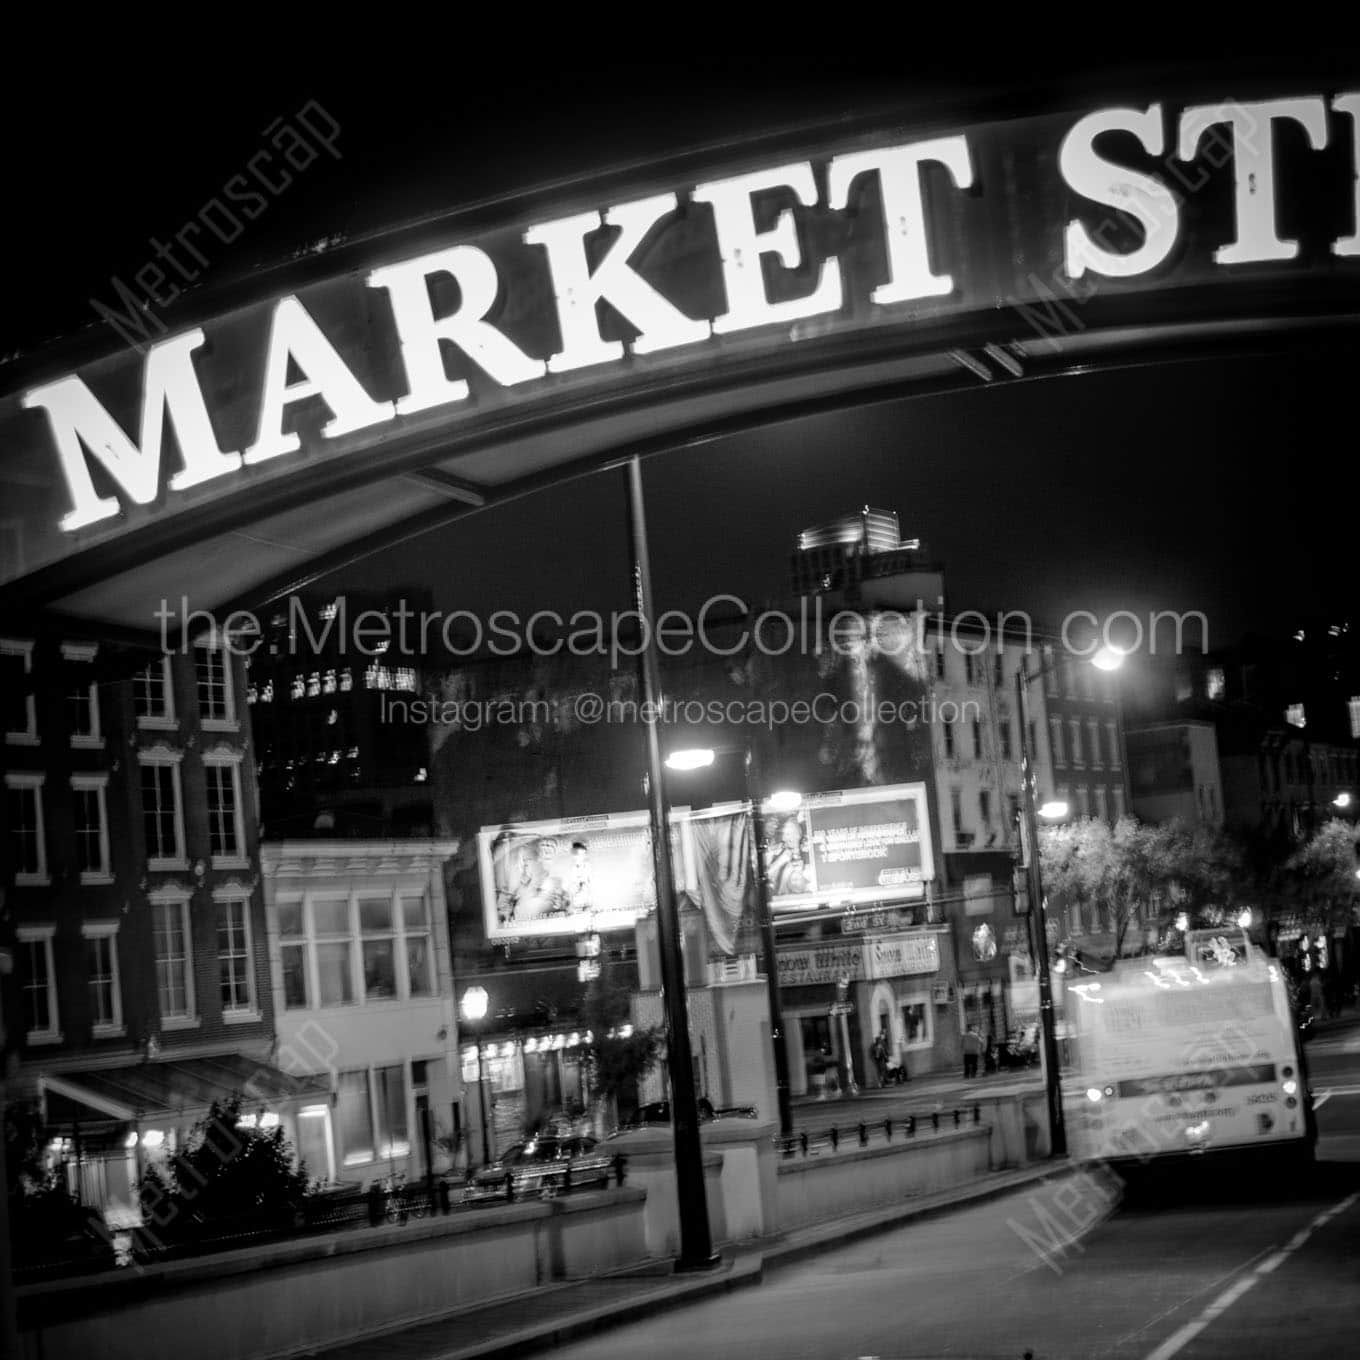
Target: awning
(174,1090)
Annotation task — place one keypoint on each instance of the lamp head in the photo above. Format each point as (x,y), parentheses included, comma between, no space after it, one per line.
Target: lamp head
(1108,658)
(697,758)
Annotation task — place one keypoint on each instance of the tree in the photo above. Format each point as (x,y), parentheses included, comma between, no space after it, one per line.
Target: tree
(1134,873)
(227,1171)
(615,1062)
(1327,863)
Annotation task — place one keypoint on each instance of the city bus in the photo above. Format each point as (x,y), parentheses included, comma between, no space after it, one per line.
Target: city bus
(1187,1055)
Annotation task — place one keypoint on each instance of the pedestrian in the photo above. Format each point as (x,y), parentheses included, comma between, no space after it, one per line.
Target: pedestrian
(1317,997)
(880,1056)
(972,1050)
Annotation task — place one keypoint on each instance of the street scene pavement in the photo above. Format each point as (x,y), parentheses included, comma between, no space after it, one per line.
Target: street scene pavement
(1203,1263)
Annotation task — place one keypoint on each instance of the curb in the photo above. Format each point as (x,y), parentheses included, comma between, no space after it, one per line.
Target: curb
(750,1261)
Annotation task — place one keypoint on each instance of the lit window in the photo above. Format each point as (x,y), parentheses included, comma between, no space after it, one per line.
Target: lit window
(1112,741)
(1093,742)
(1294,716)
(314,684)
(1074,727)
(267,692)
(299,689)
(1354,706)
(404,679)
(1055,738)
(328,683)
(1214,683)
(346,680)
(27,836)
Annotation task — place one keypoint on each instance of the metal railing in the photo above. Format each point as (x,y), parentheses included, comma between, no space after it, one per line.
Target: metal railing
(904,1128)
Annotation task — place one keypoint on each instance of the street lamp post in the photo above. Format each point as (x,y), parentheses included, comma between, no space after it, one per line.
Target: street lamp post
(1106,659)
(474,1006)
(1057,1129)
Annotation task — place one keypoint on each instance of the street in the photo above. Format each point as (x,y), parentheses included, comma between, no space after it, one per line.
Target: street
(1199,1264)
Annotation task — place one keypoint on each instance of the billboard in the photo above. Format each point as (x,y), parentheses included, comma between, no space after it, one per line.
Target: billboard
(572,876)
(858,845)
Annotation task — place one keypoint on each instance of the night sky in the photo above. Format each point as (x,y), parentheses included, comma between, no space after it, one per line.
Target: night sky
(1224,485)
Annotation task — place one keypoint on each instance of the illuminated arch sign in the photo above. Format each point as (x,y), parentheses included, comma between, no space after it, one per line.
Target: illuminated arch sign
(1022,232)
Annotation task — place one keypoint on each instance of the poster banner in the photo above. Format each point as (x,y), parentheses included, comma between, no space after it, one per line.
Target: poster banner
(721,859)
(574,876)
(859,845)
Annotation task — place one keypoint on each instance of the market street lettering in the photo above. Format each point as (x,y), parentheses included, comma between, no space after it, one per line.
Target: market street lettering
(763,258)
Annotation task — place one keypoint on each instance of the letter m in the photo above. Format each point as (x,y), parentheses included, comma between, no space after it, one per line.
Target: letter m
(169,386)
(1051,1243)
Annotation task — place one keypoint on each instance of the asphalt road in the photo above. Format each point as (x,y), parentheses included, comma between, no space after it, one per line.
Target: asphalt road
(1199,1264)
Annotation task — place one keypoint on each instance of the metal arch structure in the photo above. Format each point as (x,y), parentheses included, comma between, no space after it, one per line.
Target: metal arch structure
(341,403)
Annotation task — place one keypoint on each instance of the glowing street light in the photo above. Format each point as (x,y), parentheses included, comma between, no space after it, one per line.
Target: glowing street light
(1054,810)
(1108,658)
(1244,918)
(698,758)
(473,1007)
(1342,800)
(786,800)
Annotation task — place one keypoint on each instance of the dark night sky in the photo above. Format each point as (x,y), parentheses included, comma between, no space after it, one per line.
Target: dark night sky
(1227,486)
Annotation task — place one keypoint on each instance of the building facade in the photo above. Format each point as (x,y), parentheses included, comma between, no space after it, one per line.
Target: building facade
(361,979)
(1175,773)
(132,901)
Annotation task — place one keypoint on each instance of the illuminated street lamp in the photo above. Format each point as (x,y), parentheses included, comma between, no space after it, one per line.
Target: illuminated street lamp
(783,801)
(1106,659)
(1054,810)
(1342,801)
(473,1008)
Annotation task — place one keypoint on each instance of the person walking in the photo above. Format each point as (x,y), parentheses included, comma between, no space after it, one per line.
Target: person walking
(1317,996)
(972,1051)
(880,1056)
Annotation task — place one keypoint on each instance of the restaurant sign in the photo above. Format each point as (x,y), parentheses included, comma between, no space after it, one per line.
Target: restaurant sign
(885,956)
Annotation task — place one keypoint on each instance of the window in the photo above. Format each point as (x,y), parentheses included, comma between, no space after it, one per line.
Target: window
(948,739)
(82,697)
(222,777)
(1214,683)
(379,947)
(371,1114)
(956,809)
(91,827)
(1353,707)
(27,837)
(38,984)
(1102,805)
(1055,736)
(162,823)
(234,961)
(998,669)
(1013,809)
(1069,684)
(968,672)
(1112,742)
(101,972)
(1118,793)
(213,668)
(16,685)
(334,952)
(174,979)
(1294,716)
(916,1023)
(1050,672)
(354,1118)
(1093,742)
(1083,801)
(153,696)
(1006,741)
(977,739)
(1074,727)
(415,921)
(293,949)
(985,808)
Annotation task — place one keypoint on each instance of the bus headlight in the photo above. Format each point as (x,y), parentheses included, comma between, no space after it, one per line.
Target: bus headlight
(1291,1088)
(1093,1094)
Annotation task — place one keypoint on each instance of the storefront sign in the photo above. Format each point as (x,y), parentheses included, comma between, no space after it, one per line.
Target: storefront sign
(862,845)
(572,877)
(885,956)
(893,236)
(902,955)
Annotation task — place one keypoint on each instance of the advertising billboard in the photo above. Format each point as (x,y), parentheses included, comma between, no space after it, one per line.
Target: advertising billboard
(573,876)
(858,845)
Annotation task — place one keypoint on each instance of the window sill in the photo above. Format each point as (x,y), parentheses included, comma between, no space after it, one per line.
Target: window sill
(180,1022)
(79,743)
(108,1031)
(22,739)
(46,1037)
(158,724)
(241,1017)
(167,866)
(220,724)
(32,881)
(230,862)
(91,880)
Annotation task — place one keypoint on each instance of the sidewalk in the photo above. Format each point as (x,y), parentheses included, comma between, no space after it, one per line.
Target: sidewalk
(554,1314)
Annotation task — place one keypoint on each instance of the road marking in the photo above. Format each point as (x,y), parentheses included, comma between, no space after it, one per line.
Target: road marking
(1180,1338)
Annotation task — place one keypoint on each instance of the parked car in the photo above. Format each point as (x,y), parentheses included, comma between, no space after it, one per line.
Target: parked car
(541,1165)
